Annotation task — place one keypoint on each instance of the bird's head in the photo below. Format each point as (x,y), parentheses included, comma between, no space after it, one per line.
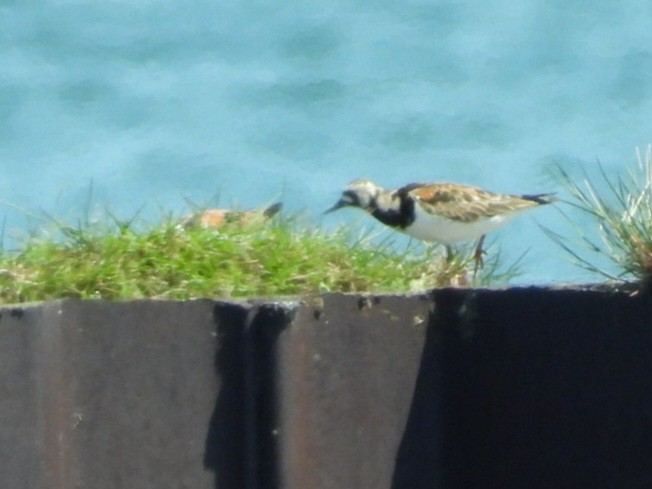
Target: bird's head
(359,193)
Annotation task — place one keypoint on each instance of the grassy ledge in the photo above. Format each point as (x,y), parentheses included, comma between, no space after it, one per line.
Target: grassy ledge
(117,260)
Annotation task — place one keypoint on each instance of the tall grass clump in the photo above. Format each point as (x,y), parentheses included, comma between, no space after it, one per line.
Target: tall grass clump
(111,259)
(621,210)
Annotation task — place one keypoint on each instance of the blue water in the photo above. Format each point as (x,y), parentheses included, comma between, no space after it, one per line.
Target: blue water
(161,101)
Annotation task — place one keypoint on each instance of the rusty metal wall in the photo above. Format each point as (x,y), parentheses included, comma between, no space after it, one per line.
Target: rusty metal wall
(106,395)
(457,389)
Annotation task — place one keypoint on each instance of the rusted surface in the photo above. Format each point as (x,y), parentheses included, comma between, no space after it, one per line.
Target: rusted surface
(467,389)
(106,395)
(20,427)
(347,378)
(144,389)
(457,389)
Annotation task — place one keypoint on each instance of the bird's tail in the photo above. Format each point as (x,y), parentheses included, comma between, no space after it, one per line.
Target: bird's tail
(272,210)
(541,199)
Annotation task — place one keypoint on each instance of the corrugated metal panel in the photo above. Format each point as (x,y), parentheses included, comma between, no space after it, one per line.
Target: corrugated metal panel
(457,389)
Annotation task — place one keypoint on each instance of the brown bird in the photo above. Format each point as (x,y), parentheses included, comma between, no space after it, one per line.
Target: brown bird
(214,218)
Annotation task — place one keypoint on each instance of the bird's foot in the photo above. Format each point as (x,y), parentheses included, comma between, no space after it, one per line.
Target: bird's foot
(478,260)
(449,253)
(478,256)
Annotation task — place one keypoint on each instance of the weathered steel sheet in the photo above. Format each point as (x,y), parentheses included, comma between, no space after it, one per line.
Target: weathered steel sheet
(107,395)
(346,376)
(456,389)
(466,389)
(543,388)
(21,421)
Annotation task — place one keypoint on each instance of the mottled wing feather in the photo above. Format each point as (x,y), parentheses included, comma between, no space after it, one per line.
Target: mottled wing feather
(214,218)
(466,204)
(210,218)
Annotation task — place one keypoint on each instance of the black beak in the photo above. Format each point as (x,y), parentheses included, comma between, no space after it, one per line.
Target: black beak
(338,205)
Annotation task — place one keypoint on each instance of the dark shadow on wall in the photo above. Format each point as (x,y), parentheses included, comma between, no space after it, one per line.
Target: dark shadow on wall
(419,463)
(532,388)
(225,442)
(241,445)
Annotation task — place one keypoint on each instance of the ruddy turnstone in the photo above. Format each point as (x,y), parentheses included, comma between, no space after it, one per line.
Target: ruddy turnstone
(214,218)
(441,212)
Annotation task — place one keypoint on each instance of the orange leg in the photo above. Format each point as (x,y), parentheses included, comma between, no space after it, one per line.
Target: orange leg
(477,256)
(449,253)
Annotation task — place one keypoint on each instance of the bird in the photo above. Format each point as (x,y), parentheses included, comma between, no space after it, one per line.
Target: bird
(439,212)
(215,218)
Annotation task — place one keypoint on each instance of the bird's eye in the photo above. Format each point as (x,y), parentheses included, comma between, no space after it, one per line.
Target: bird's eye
(350,198)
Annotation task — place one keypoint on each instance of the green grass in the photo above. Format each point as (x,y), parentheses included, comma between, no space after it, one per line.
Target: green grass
(621,210)
(124,260)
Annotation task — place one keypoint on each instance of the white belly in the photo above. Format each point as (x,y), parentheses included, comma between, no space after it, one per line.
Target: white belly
(429,227)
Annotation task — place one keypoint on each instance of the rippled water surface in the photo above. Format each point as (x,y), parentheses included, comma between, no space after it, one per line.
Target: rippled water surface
(161,101)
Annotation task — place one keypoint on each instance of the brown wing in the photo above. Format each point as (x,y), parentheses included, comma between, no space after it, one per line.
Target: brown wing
(214,218)
(467,204)
(211,218)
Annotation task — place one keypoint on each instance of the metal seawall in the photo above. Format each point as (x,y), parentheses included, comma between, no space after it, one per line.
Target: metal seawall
(455,388)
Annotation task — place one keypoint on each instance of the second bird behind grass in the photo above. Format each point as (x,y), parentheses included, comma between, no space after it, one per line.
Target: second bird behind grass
(215,218)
